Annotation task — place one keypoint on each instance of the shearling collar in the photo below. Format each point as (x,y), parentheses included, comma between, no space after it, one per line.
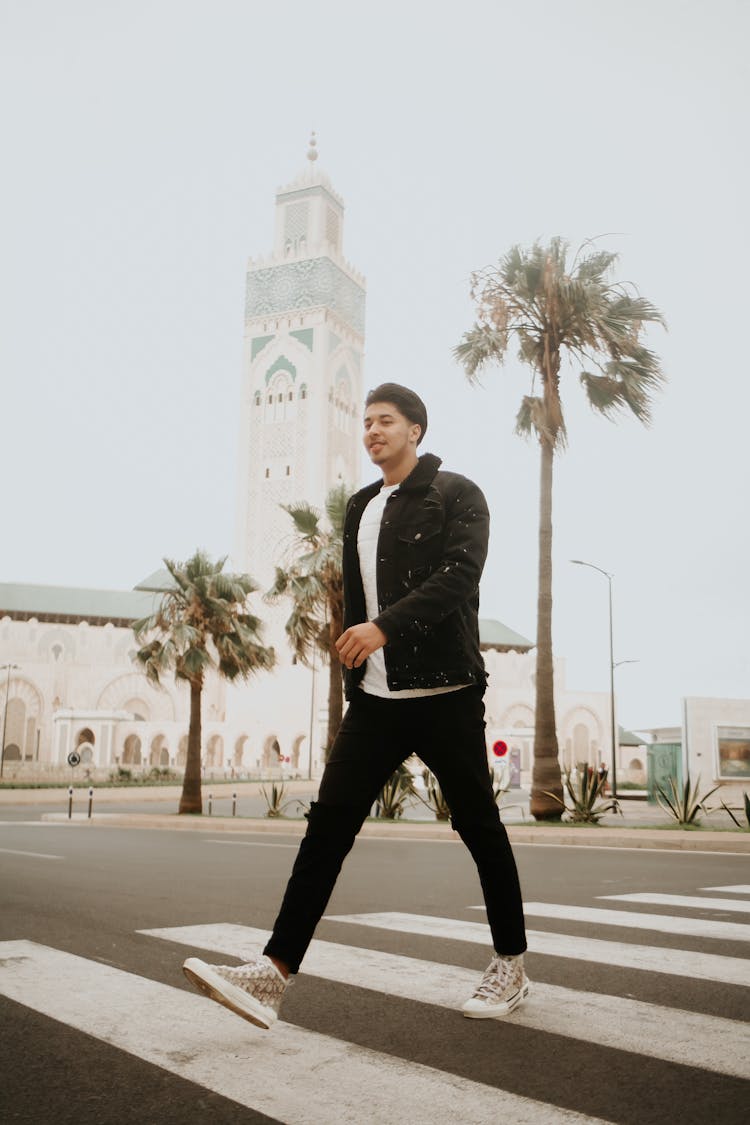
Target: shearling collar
(421,476)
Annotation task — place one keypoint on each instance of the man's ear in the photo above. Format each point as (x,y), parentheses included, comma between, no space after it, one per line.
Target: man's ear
(416,433)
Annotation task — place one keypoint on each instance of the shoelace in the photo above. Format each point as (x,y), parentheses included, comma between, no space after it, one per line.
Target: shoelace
(496,979)
(254,973)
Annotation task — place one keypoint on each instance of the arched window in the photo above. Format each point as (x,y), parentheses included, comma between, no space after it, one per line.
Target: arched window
(342,399)
(280,399)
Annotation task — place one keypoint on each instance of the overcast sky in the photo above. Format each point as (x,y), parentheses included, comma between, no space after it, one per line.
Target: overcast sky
(143,143)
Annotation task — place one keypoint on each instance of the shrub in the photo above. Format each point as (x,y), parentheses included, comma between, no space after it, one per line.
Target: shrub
(435,799)
(746,809)
(395,795)
(274,798)
(586,796)
(684,805)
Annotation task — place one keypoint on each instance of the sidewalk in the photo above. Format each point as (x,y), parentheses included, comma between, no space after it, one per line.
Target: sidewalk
(665,839)
(641,826)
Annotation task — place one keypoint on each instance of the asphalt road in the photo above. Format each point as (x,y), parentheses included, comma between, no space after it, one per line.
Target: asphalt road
(89,891)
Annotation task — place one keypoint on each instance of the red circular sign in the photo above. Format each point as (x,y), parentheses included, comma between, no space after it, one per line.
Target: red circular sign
(500,748)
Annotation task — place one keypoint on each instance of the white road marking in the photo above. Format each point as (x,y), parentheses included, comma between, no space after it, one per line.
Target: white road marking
(690,903)
(36,855)
(192,1037)
(251,844)
(673,962)
(662,923)
(707,1042)
(741,889)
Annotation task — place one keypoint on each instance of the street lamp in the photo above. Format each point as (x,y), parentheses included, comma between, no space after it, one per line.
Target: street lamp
(10,668)
(612,666)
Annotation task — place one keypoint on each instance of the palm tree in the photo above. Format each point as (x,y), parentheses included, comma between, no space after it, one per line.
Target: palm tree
(313,579)
(553,310)
(201,623)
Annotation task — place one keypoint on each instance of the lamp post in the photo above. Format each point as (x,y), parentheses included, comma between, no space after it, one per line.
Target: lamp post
(10,668)
(609,577)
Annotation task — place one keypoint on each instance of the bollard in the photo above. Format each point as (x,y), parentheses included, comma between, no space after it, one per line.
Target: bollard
(91,800)
(210,799)
(234,804)
(70,801)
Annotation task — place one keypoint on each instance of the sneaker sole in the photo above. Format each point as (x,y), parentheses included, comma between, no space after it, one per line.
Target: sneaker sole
(497,1011)
(228,995)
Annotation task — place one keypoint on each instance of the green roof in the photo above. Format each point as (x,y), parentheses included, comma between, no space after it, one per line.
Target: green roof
(71,604)
(627,738)
(158,582)
(493,634)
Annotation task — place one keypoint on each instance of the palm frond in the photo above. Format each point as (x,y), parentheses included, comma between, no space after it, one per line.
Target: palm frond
(306,519)
(336,504)
(480,346)
(604,393)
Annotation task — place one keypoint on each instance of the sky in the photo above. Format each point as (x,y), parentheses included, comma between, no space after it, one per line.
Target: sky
(143,145)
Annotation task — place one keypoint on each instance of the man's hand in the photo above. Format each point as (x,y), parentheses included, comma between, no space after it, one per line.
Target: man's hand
(358,642)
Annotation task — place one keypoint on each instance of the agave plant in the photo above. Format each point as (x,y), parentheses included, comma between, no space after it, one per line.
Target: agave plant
(395,795)
(746,803)
(435,799)
(586,795)
(275,803)
(684,805)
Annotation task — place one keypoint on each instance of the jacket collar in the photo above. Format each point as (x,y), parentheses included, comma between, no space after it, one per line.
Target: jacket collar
(421,476)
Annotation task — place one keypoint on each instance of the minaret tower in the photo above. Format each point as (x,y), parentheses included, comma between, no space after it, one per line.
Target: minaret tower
(302,370)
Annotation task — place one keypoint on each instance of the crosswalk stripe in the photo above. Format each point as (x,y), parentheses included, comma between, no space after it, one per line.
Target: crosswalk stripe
(709,1042)
(189,1036)
(740,889)
(673,962)
(665,924)
(731,905)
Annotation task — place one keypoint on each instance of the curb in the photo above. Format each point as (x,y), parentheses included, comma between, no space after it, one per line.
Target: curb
(660,839)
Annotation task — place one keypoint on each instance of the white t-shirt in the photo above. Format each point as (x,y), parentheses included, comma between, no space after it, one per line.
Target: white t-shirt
(374,681)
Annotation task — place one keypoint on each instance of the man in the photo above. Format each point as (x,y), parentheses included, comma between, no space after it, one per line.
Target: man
(415,543)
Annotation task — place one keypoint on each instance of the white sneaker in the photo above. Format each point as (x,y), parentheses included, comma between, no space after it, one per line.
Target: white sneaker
(502,989)
(253,990)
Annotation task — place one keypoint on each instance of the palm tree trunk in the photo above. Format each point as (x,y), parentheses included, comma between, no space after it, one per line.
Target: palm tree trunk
(546,775)
(191,800)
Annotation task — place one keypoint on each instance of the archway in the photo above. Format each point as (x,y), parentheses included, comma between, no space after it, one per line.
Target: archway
(215,752)
(159,752)
(131,751)
(296,747)
(271,753)
(182,752)
(239,751)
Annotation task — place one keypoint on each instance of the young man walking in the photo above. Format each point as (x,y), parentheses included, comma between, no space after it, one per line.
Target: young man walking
(415,544)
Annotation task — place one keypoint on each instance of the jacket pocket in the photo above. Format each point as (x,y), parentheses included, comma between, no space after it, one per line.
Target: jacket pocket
(420,551)
(420,536)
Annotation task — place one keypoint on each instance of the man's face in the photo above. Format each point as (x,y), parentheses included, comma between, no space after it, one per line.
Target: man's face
(389,437)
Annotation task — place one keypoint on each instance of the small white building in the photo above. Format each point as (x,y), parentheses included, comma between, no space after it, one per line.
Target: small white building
(712,743)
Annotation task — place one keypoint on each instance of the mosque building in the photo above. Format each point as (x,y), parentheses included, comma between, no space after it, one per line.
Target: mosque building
(68,681)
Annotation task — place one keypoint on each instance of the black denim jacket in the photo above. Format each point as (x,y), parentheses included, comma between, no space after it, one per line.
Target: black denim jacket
(430,554)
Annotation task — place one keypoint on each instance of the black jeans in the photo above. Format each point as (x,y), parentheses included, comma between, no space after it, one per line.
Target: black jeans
(376,735)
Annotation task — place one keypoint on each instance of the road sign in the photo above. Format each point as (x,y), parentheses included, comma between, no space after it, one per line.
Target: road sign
(74,758)
(500,748)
